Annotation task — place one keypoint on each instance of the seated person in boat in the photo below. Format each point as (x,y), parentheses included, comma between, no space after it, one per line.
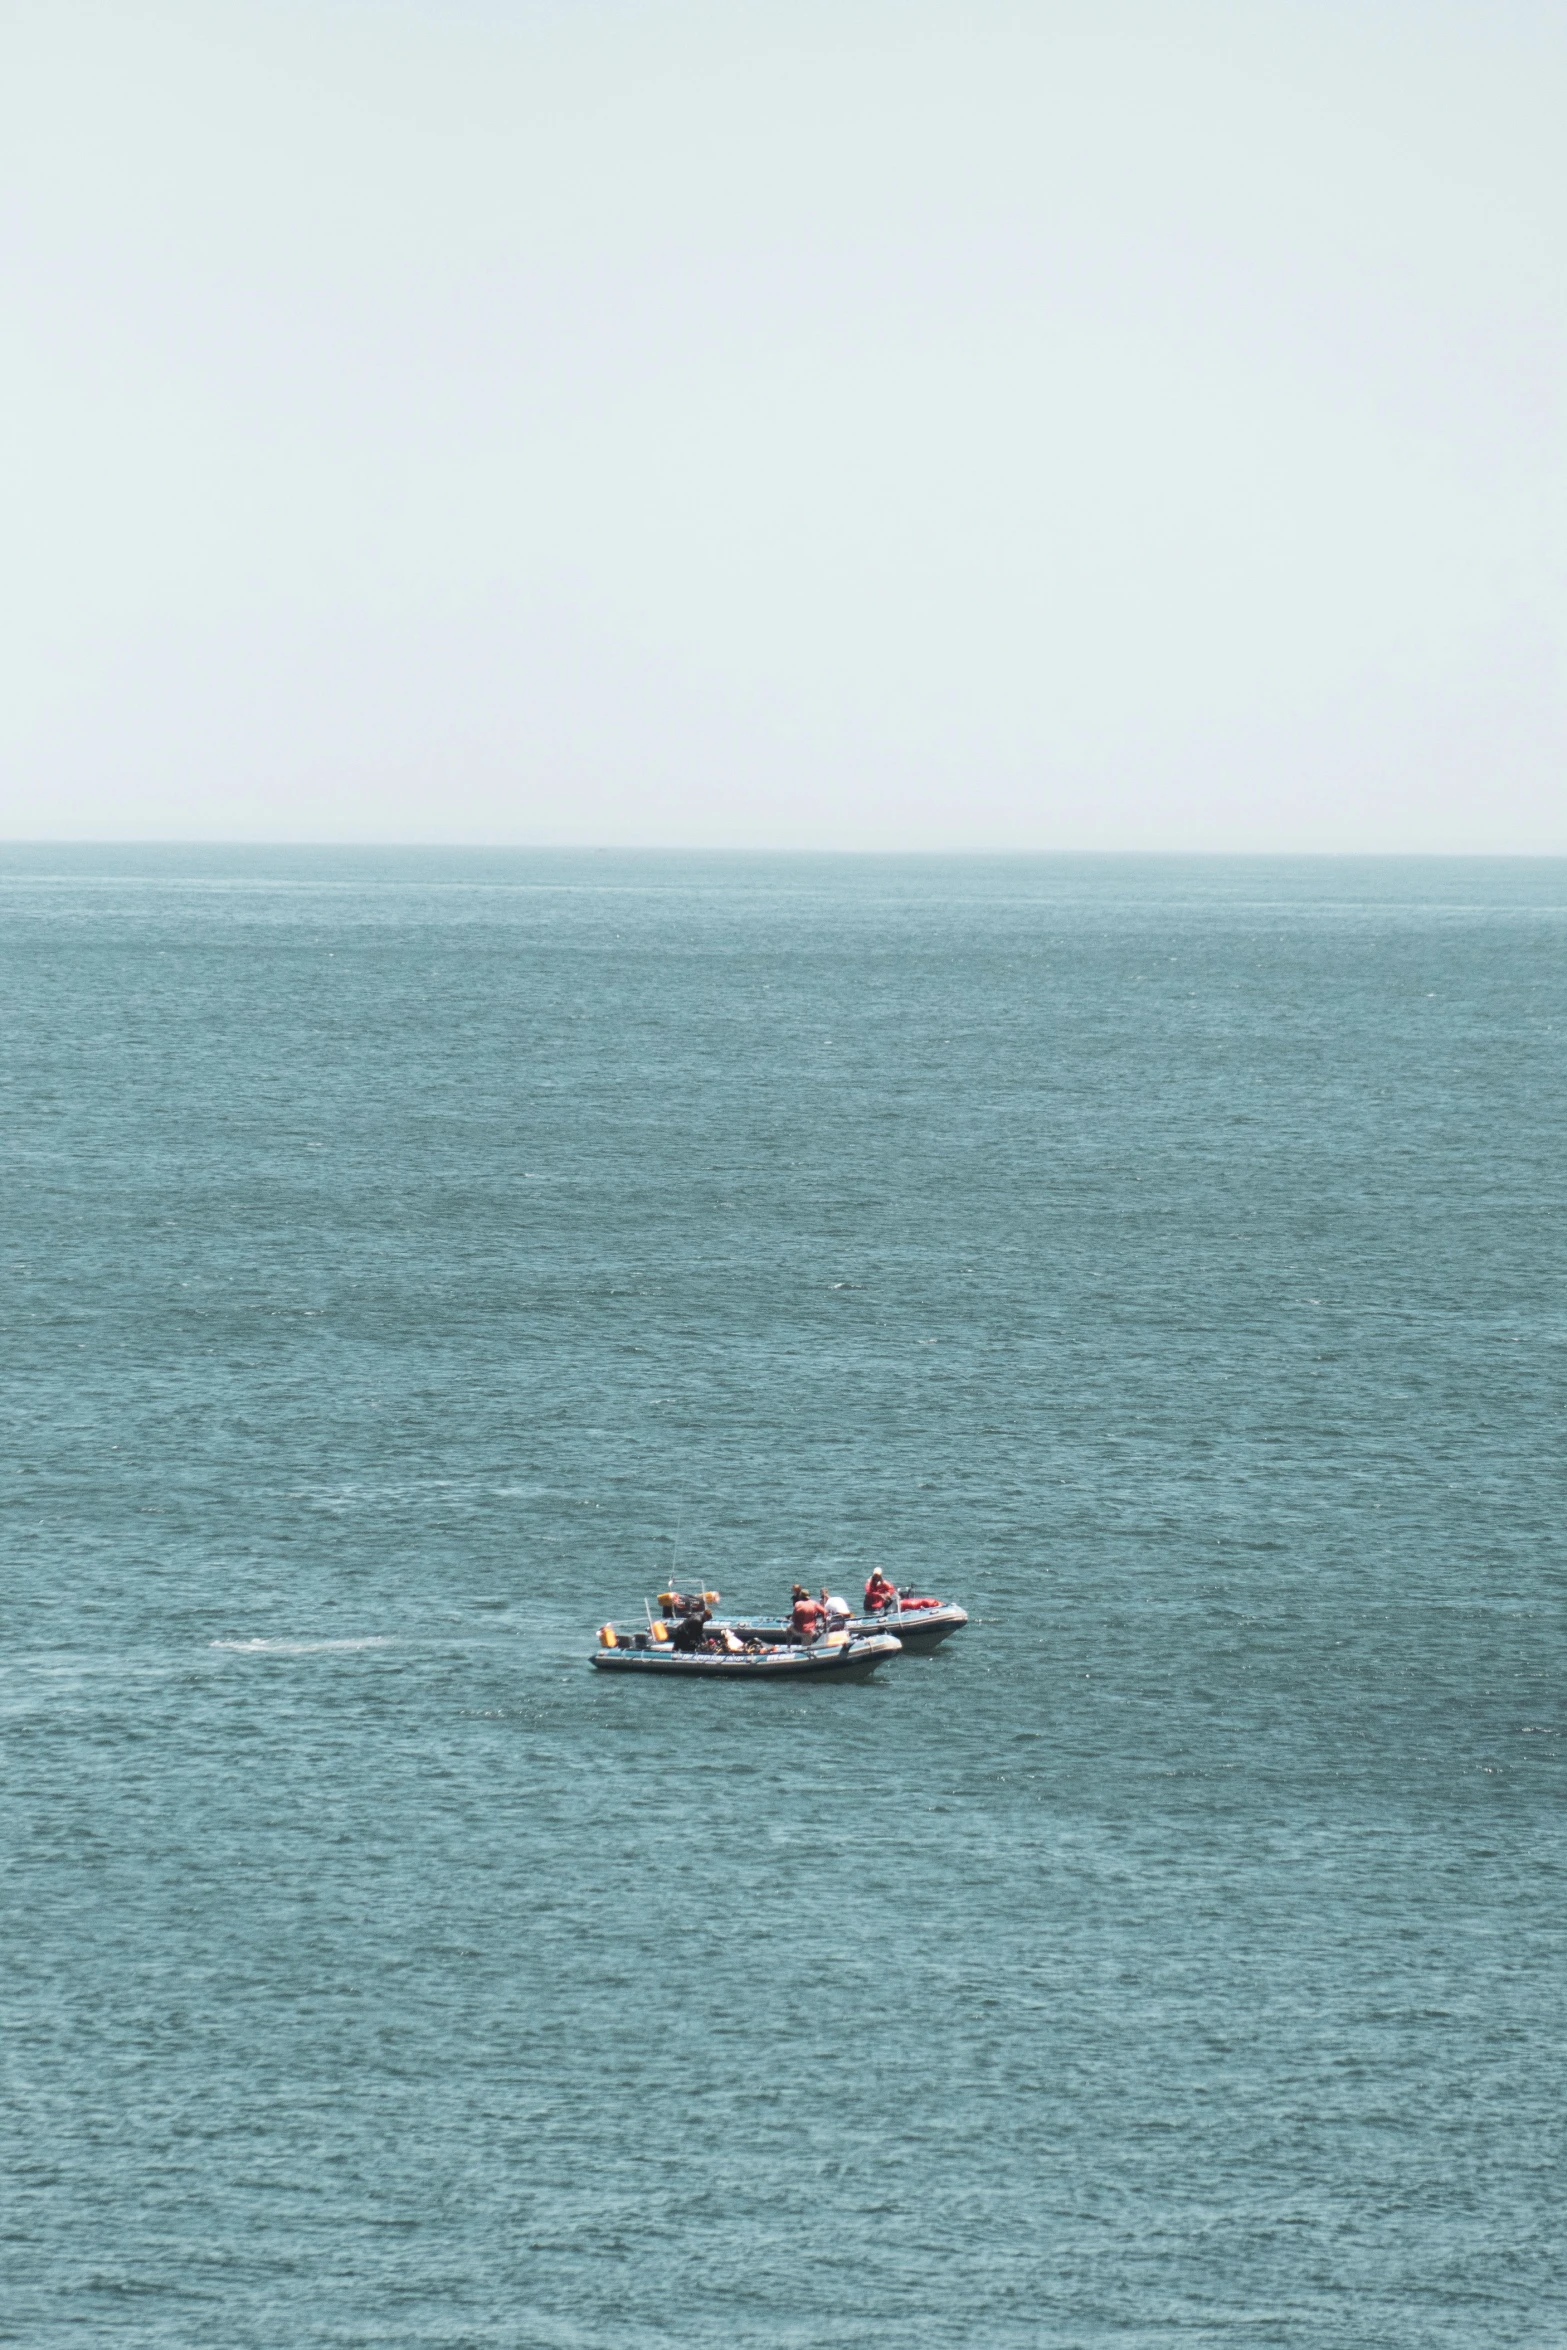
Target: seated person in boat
(836,1611)
(879,1593)
(806,1616)
(687,1634)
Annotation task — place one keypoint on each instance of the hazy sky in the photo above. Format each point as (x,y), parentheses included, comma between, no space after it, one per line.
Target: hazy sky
(932,424)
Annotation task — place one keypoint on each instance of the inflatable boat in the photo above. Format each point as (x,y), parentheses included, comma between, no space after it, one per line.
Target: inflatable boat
(837,1658)
(918,1625)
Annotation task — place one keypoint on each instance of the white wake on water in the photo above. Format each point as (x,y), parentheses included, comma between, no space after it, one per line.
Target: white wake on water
(297,1647)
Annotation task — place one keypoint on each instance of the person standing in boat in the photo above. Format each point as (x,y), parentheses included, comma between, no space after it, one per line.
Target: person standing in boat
(879,1593)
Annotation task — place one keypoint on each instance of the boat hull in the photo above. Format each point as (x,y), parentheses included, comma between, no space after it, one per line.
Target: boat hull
(917,1632)
(856,1662)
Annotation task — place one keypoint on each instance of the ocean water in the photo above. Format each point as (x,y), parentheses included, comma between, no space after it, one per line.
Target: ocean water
(403,1250)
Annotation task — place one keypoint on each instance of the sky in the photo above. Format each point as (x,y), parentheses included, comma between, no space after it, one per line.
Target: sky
(932,425)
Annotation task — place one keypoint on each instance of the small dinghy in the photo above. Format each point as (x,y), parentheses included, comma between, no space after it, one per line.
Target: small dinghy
(918,1625)
(840,1657)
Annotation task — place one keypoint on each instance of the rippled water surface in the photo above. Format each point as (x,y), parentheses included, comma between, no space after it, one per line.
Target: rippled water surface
(1165,1259)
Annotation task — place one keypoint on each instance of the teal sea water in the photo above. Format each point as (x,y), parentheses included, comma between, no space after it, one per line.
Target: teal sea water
(1163,1258)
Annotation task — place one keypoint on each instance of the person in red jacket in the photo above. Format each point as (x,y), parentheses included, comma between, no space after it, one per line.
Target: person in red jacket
(806,1617)
(879,1593)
